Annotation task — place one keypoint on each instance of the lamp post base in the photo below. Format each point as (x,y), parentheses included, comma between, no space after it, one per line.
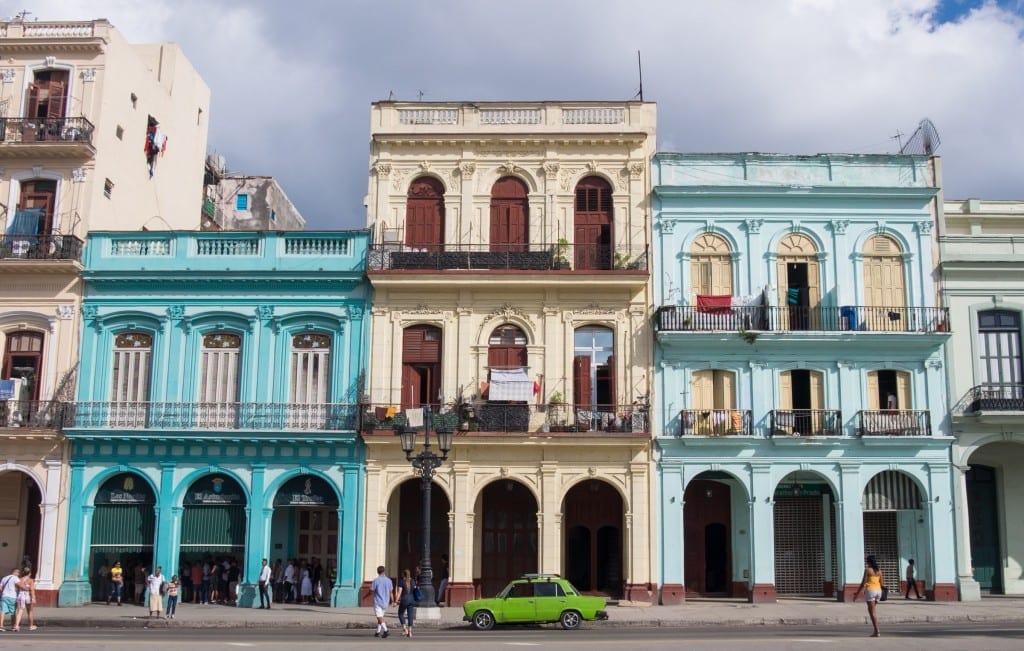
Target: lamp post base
(428,613)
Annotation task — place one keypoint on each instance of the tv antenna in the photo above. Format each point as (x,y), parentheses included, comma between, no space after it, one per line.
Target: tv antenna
(420,94)
(640,70)
(22,15)
(924,141)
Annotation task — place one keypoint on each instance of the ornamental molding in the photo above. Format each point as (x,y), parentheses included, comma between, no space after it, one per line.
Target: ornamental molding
(66,312)
(551,169)
(467,169)
(839,226)
(7,75)
(398,178)
(924,227)
(668,226)
(78,175)
(176,312)
(88,74)
(754,225)
(566,175)
(265,312)
(382,169)
(636,169)
(50,61)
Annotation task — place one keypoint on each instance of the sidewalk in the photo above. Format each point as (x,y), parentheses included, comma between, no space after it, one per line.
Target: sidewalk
(707,612)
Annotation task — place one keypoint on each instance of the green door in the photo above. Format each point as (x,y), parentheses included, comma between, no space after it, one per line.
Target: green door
(519,604)
(982,505)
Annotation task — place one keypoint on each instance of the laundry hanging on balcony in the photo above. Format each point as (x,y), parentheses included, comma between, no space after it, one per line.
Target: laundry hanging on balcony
(156,145)
(25,222)
(714,304)
(510,384)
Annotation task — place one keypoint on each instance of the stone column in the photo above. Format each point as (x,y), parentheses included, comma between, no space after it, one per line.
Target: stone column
(462,562)
(75,589)
(849,532)
(48,511)
(258,521)
(762,532)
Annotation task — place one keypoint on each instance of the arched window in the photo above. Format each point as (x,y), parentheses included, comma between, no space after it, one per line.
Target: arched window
(219,365)
(510,213)
(592,224)
(710,267)
(999,347)
(506,348)
(424,215)
(884,284)
(798,283)
(23,359)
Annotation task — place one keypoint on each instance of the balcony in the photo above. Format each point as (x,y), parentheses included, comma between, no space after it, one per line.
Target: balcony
(40,247)
(30,415)
(787,319)
(24,137)
(492,418)
(716,422)
(996,403)
(892,422)
(517,257)
(201,416)
(805,422)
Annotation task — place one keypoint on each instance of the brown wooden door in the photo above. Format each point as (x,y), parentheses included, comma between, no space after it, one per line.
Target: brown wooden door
(593,517)
(424,215)
(706,538)
(592,224)
(509,534)
(421,365)
(43,195)
(509,216)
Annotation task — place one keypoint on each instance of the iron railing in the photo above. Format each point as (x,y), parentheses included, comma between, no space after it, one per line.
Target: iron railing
(31,414)
(40,247)
(805,422)
(770,318)
(715,422)
(513,257)
(211,416)
(894,422)
(991,397)
(46,130)
(483,416)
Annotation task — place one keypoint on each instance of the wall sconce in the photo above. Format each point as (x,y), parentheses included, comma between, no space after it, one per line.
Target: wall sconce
(707,493)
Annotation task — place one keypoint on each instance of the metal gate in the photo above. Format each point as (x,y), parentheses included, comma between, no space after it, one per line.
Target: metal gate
(800,545)
(880,540)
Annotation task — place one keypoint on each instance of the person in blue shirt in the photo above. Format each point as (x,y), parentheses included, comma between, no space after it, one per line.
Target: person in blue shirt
(383,596)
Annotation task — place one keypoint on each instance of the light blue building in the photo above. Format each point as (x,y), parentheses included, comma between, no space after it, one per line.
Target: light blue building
(216,416)
(801,414)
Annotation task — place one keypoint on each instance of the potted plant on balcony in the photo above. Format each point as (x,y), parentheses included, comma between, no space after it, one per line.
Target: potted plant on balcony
(562,254)
(557,419)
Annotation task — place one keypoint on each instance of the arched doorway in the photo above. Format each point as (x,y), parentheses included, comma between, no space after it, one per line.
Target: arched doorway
(707,536)
(592,224)
(214,523)
(305,527)
(799,283)
(20,498)
(993,514)
(592,557)
(805,536)
(894,526)
(407,501)
(123,530)
(507,513)
(424,215)
(421,366)
(510,214)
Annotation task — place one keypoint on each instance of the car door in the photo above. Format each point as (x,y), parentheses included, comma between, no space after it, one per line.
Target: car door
(519,605)
(550,600)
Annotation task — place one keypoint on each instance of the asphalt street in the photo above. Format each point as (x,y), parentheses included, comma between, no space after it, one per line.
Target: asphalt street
(930,637)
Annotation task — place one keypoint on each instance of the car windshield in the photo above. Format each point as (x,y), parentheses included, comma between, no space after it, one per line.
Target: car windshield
(509,591)
(570,588)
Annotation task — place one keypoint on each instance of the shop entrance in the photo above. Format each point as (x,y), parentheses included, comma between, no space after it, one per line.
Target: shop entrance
(306,522)
(123,529)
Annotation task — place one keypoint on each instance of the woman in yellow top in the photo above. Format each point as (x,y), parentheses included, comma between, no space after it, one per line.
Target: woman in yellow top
(871,584)
(116,583)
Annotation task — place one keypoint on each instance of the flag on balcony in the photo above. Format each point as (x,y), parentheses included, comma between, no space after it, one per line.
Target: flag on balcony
(26,222)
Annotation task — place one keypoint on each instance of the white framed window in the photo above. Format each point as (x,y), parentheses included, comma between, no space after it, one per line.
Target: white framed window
(129,385)
(219,365)
(310,367)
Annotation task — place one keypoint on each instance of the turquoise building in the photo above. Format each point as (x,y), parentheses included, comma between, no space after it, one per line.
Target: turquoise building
(215,417)
(801,415)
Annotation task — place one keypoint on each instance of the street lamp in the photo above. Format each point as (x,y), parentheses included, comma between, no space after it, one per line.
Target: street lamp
(425,463)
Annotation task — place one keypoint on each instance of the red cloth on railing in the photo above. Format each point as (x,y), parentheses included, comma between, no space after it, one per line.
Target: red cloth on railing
(714,304)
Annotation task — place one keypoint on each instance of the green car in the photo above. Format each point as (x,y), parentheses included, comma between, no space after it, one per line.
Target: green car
(535,599)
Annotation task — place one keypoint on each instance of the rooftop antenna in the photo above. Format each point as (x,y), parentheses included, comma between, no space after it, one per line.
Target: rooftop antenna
(419,95)
(391,95)
(22,15)
(898,138)
(924,141)
(640,70)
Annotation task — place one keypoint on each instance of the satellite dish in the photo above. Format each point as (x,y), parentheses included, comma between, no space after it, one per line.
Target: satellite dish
(924,141)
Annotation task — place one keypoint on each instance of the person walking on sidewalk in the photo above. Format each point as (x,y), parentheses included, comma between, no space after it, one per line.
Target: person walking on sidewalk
(383,591)
(172,596)
(26,597)
(912,580)
(405,596)
(157,585)
(871,584)
(263,583)
(9,595)
(116,583)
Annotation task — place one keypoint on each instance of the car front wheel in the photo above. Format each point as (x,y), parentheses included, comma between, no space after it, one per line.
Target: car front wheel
(570,620)
(484,621)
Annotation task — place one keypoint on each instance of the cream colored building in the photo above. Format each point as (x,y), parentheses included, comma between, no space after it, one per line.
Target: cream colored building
(982,261)
(512,293)
(78,107)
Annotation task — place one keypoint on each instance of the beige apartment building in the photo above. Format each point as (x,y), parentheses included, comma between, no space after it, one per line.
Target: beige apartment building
(512,290)
(95,133)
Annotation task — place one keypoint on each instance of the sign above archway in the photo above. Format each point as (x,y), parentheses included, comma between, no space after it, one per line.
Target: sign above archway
(125,488)
(215,490)
(306,490)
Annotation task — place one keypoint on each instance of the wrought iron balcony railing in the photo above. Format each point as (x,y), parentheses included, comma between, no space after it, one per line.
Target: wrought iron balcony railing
(715,422)
(211,416)
(504,417)
(46,130)
(770,318)
(894,422)
(511,257)
(31,414)
(991,398)
(805,422)
(40,247)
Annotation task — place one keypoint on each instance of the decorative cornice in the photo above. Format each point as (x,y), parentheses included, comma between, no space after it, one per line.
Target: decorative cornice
(754,225)
(839,226)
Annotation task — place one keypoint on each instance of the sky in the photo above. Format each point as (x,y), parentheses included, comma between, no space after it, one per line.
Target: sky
(292,82)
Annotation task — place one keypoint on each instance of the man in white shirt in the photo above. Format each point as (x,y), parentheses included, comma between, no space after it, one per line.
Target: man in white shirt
(289,580)
(155,583)
(9,595)
(264,582)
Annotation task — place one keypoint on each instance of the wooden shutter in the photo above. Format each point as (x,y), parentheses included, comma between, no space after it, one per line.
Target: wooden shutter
(873,401)
(724,390)
(702,386)
(903,390)
(817,389)
(785,390)
(410,386)
(581,381)
(814,294)
(55,101)
(612,395)
(424,214)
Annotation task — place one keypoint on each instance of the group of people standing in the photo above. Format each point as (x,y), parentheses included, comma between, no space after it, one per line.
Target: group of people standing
(299,581)
(17,594)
